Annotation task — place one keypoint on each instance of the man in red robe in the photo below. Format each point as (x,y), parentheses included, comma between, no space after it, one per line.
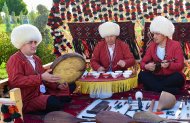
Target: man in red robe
(111,54)
(25,71)
(163,62)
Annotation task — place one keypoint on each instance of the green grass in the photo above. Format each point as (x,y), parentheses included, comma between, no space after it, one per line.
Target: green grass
(2,28)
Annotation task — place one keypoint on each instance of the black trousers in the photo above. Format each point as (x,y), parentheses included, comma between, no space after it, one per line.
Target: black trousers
(170,83)
(56,103)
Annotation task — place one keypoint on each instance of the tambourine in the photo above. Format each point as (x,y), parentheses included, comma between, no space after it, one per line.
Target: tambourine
(69,67)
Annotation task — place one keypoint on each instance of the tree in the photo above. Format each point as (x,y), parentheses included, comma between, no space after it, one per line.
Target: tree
(21,18)
(16,6)
(14,19)
(1,19)
(32,16)
(1,4)
(41,22)
(42,9)
(7,18)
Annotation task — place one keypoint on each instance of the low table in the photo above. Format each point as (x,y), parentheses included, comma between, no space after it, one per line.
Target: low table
(89,84)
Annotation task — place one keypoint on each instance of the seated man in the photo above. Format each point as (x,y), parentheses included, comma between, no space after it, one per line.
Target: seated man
(111,54)
(25,71)
(163,62)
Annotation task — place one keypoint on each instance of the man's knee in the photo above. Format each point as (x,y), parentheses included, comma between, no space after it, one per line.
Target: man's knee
(143,75)
(53,104)
(179,78)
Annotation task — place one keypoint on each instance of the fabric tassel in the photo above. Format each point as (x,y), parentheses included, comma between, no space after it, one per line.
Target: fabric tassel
(7,117)
(15,115)
(6,114)
(86,50)
(18,120)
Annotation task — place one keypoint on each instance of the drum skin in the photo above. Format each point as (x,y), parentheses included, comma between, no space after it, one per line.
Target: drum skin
(69,67)
(113,117)
(61,117)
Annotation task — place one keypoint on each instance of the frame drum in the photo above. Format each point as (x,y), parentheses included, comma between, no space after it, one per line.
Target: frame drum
(113,117)
(69,67)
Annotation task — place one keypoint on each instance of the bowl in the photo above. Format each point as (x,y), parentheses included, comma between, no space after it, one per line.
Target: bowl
(128,71)
(92,72)
(126,75)
(110,72)
(96,75)
(114,75)
(105,75)
(101,72)
(84,74)
(119,71)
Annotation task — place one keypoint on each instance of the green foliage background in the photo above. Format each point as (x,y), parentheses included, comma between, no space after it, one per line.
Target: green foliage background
(3,73)
(16,6)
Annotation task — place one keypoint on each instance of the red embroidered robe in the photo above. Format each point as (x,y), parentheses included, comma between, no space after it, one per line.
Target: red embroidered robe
(101,56)
(22,75)
(173,51)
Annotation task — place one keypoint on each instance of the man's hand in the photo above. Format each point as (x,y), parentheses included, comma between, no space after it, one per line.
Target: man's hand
(49,77)
(63,86)
(165,64)
(121,63)
(100,69)
(150,66)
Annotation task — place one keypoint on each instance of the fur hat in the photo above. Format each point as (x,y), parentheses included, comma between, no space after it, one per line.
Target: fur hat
(24,34)
(163,26)
(109,29)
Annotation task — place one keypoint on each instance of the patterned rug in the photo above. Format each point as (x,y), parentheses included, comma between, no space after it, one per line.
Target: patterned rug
(80,102)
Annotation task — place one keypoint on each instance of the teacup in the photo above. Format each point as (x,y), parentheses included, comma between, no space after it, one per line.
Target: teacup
(91,73)
(96,75)
(128,71)
(110,72)
(114,75)
(126,75)
(105,75)
(119,71)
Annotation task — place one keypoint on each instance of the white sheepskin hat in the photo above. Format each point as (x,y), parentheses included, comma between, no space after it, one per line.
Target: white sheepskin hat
(163,26)
(109,29)
(24,34)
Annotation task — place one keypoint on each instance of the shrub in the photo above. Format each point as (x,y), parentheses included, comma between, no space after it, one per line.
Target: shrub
(3,73)
(6,47)
(44,51)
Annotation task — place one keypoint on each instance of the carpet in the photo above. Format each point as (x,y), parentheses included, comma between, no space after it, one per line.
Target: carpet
(80,102)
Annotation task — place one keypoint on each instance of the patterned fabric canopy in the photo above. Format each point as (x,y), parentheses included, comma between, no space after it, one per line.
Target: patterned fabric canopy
(64,11)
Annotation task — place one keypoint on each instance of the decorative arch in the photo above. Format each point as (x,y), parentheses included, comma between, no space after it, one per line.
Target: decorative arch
(64,11)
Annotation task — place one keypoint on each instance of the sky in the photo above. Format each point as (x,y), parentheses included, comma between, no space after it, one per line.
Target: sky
(34,3)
